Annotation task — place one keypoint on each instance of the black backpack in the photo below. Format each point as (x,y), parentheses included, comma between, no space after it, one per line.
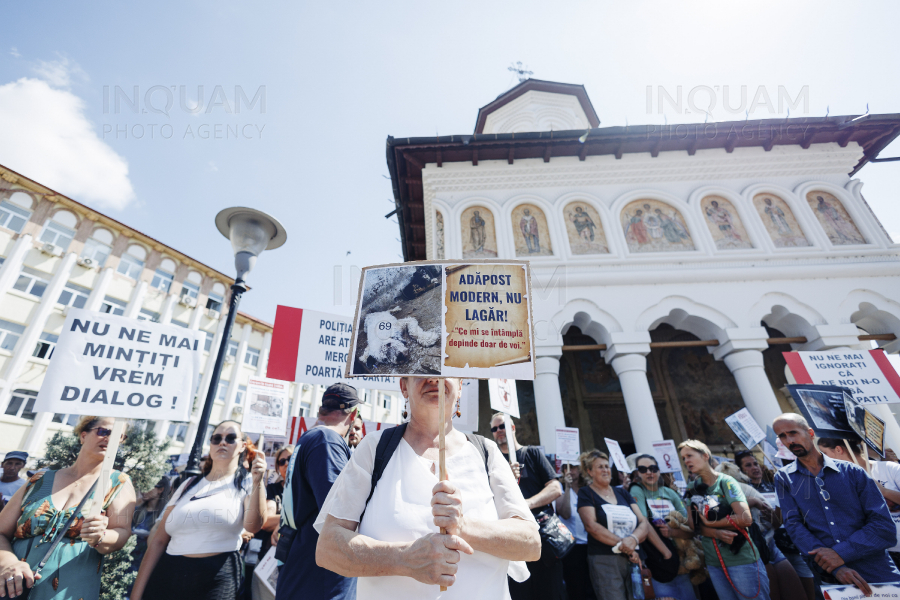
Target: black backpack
(388,443)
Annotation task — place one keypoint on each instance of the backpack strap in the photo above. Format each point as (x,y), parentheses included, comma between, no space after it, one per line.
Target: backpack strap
(387,445)
(478,442)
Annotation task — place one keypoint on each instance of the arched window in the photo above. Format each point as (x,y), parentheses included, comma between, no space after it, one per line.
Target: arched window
(60,229)
(132,261)
(216,297)
(16,211)
(99,246)
(21,404)
(165,274)
(191,285)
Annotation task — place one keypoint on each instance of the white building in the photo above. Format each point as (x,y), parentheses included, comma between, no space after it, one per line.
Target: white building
(672,265)
(56,253)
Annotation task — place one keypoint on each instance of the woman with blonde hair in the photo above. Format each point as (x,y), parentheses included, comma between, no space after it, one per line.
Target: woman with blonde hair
(722,517)
(194,551)
(57,500)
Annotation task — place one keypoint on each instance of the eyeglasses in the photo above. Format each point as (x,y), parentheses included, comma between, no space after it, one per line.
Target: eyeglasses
(651,468)
(498,427)
(101,431)
(822,491)
(283,461)
(217,438)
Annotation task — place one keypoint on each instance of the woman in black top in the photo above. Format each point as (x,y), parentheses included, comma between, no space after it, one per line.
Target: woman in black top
(615,527)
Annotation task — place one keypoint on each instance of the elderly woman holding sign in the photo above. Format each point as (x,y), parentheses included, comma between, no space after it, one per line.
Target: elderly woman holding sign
(391,540)
(45,524)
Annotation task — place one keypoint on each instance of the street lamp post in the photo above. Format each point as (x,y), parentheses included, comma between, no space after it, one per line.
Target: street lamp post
(251,232)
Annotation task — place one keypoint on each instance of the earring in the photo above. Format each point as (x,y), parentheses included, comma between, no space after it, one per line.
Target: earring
(404,414)
(458,412)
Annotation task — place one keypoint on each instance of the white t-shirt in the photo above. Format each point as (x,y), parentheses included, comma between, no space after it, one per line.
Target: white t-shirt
(574,522)
(10,488)
(400,510)
(888,474)
(208,519)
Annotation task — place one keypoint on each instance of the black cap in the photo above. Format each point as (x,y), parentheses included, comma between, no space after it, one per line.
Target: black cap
(340,395)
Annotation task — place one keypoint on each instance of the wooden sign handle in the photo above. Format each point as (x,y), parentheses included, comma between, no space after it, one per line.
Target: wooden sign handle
(510,444)
(107,468)
(442,446)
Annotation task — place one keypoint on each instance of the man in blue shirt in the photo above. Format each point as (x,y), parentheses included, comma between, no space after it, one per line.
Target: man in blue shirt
(319,457)
(833,511)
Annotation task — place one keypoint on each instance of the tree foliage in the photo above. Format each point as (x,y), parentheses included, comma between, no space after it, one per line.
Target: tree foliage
(143,458)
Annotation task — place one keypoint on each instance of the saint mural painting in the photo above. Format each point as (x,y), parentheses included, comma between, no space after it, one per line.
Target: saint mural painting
(779,221)
(439,235)
(653,226)
(530,231)
(838,225)
(478,234)
(724,223)
(584,229)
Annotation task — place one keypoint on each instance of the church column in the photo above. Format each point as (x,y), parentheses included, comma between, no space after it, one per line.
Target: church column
(9,272)
(628,356)
(742,354)
(547,397)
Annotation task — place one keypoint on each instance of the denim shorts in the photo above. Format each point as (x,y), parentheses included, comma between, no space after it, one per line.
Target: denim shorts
(746,578)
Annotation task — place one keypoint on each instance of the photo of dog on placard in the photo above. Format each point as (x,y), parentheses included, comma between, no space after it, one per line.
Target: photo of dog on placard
(399,328)
(268,406)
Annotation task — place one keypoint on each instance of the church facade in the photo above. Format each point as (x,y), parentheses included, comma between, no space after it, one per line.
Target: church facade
(671,265)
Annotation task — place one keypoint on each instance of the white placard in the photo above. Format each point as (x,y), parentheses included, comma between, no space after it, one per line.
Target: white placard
(568,447)
(667,456)
(680,483)
(615,452)
(112,366)
(771,498)
(266,408)
(267,571)
(849,592)
(504,397)
(620,520)
(468,407)
(868,374)
(746,428)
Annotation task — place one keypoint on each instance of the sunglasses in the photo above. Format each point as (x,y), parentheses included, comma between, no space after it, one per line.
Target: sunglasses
(283,461)
(217,438)
(101,431)
(651,468)
(822,491)
(498,427)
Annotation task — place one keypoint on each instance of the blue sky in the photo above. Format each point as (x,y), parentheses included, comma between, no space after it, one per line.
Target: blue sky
(339,77)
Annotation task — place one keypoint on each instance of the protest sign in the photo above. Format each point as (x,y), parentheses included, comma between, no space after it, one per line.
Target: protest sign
(568,447)
(297,426)
(866,425)
(468,407)
(504,397)
(783,452)
(746,428)
(445,319)
(666,456)
(867,373)
(267,406)
(267,571)
(770,453)
(113,366)
(309,346)
(272,444)
(824,409)
(850,592)
(618,457)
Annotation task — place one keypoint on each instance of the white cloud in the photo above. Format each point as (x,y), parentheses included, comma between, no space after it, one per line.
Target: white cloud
(48,138)
(59,73)
(14,52)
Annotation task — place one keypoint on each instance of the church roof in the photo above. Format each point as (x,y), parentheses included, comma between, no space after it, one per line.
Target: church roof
(538,85)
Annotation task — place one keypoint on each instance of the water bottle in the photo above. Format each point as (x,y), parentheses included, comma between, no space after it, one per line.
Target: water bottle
(637,583)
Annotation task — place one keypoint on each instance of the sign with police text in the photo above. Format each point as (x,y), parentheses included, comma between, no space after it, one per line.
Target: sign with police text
(113,366)
(866,373)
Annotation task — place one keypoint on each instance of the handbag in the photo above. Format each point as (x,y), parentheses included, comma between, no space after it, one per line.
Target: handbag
(663,570)
(57,538)
(555,533)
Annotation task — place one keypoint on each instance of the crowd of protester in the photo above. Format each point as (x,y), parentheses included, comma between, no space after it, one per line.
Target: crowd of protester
(354,514)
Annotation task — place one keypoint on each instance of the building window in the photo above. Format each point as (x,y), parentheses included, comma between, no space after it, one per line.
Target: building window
(148,315)
(96,251)
(74,295)
(242,391)
(9,334)
(386,402)
(54,233)
(177,431)
(252,357)
(45,346)
(21,404)
(222,392)
(111,306)
(190,289)
(215,302)
(162,280)
(179,323)
(130,266)
(13,217)
(207,345)
(232,348)
(67,419)
(31,282)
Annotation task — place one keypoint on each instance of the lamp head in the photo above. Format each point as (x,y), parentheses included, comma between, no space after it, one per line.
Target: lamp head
(250,231)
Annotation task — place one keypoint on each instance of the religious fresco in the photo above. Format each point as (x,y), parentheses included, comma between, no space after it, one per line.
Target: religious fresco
(724,223)
(585,230)
(438,235)
(479,237)
(779,221)
(654,226)
(837,223)
(530,231)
